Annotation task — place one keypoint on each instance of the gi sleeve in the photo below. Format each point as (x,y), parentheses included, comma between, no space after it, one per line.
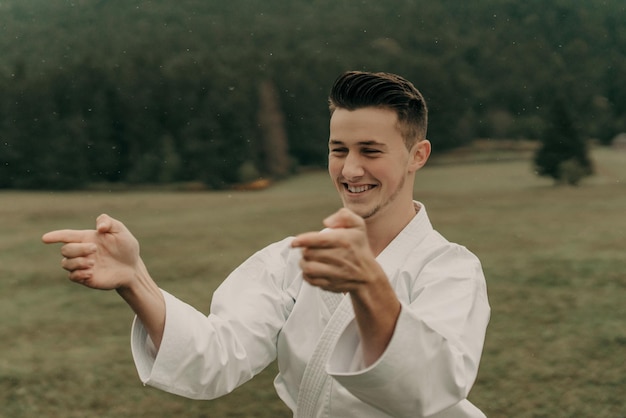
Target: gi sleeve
(432,359)
(204,357)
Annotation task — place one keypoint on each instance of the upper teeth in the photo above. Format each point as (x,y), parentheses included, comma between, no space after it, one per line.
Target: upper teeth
(358,189)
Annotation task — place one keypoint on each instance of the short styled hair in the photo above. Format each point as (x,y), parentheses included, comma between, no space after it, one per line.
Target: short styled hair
(358,89)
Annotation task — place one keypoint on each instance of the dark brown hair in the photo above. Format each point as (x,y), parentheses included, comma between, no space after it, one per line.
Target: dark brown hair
(357,89)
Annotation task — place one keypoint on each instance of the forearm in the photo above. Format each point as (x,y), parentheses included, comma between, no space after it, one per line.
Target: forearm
(146,300)
(376,310)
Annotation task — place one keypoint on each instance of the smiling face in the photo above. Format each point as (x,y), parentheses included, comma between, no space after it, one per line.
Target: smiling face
(370,165)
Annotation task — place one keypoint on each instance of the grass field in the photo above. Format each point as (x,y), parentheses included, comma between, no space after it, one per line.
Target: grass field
(554,257)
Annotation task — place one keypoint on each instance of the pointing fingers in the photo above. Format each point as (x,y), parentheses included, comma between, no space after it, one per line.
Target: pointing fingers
(104,224)
(314,240)
(64,236)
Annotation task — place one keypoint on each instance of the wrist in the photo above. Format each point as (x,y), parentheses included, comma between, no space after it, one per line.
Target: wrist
(147,301)
(139,287)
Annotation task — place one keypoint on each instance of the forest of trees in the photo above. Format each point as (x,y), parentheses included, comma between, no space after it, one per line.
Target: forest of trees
(219,92)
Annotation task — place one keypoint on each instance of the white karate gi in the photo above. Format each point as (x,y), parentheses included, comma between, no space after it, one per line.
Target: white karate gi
(264,310)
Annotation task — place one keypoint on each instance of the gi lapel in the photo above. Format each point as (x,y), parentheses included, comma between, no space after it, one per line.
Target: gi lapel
(315,381)
(331,300)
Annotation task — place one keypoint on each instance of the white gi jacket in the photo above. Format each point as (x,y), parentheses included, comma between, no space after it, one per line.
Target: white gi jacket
(264,310)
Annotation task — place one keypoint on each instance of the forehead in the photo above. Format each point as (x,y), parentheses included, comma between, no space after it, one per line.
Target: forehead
(369,124)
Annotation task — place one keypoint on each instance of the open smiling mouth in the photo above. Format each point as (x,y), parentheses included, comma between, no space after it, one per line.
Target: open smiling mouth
(358,189)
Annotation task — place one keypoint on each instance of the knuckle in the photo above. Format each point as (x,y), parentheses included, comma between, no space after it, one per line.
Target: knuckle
(80,276)
(307,269)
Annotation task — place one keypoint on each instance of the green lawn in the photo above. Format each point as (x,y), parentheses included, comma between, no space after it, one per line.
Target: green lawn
(554,258)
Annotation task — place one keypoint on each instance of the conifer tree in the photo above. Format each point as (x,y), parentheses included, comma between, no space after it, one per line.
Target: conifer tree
(271,122)
(563,154)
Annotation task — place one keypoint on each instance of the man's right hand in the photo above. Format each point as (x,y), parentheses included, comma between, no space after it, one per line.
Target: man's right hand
(108,258)
(105,258)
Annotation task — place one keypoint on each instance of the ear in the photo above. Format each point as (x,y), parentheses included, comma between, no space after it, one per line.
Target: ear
(419,155)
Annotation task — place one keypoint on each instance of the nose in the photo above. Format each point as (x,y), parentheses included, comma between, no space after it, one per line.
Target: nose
(352,167)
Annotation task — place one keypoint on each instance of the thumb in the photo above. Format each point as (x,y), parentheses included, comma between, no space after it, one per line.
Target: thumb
(106,224)
(344,218)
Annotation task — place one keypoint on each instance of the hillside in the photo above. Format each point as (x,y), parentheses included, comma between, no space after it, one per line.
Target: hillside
(160,91)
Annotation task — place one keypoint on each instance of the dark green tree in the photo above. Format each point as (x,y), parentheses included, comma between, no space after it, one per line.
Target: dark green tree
(151,92)
(563,154)
(271,120)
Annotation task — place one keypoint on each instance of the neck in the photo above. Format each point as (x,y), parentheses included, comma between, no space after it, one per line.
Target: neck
(383,229)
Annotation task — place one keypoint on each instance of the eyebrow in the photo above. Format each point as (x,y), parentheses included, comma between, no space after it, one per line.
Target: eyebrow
(362,143)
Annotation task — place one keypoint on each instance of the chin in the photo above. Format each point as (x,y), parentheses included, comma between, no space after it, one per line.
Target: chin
(362,211)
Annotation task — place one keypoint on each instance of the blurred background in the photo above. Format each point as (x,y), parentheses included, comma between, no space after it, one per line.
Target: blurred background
(165,114)
(219,93)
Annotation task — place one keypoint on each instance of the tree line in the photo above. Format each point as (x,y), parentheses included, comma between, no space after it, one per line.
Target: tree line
(126,91)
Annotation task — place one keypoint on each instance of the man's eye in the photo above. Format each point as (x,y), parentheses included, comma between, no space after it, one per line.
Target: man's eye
(338,150)
(371,151)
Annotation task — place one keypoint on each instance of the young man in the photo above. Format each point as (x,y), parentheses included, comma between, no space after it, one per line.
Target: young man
(375,316)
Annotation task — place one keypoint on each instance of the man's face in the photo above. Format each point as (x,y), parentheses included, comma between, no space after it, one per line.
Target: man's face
(369,163)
